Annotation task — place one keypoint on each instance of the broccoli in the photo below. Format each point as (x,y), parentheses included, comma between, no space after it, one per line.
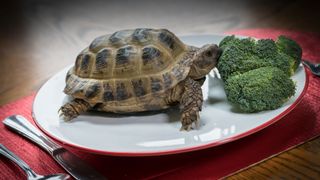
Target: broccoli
(246,44)
(267,50)
(257,72)
(292,49)
(228,40)
(265,88)
(234,60)
(242,55)
(237,56)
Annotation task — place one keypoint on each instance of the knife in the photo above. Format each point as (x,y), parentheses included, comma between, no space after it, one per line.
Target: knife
(71,163)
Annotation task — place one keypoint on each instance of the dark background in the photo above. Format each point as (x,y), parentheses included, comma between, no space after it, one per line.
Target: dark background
(40,37)
(186,17)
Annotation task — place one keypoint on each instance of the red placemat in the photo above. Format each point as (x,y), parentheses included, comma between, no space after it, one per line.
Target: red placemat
(300,125)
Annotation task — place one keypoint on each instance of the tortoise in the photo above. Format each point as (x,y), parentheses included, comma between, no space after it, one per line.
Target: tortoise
(138,70)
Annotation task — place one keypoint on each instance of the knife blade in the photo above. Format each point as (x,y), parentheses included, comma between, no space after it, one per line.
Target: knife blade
(75,166)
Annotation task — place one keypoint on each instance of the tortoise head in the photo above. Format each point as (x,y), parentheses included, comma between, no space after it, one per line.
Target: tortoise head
(204,60)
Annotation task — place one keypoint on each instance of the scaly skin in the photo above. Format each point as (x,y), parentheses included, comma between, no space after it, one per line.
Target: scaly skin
(72,109)
(190,104)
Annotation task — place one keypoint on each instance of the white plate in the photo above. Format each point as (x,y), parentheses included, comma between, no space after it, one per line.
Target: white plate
(146,134)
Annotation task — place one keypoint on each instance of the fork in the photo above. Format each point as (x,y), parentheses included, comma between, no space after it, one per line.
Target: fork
(31,175)
(315,68)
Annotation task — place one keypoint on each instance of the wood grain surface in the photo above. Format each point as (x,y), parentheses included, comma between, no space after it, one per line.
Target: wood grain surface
(39,38)
(301,162)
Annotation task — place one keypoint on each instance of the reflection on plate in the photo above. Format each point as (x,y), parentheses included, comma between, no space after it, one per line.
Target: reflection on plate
(155,133)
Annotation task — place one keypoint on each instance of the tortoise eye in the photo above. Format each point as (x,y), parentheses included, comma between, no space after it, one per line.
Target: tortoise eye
(209,54)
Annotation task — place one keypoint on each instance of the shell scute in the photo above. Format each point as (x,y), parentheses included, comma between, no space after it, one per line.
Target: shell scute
(141,35)
(101,60)
(150,53)
(138,87)
(121,92)
(156,84)
(93,90)
(167,39)
(124,54)
(108,94)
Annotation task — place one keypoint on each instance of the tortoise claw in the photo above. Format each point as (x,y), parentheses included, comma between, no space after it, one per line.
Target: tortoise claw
(186,128)
(188,118)
(67,112)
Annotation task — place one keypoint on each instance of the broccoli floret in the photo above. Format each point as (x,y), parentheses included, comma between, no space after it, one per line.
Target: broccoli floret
(267,50)
(292,49)
(241,55)
(227,41)
(237,56)
(246,44)
(235,60)
(265,88)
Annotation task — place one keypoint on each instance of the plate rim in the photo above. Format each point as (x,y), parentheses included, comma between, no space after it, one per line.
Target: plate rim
(183,149)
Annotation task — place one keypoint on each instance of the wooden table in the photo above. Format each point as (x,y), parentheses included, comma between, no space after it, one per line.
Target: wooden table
(39,38)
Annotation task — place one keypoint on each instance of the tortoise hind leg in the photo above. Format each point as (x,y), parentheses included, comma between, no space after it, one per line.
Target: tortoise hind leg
(72,109)
(191,104)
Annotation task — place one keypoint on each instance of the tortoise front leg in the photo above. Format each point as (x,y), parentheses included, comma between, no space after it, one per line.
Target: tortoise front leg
(191,104)
(72,109)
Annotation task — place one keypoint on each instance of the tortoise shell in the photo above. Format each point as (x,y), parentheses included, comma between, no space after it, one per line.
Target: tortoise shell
(128,64)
